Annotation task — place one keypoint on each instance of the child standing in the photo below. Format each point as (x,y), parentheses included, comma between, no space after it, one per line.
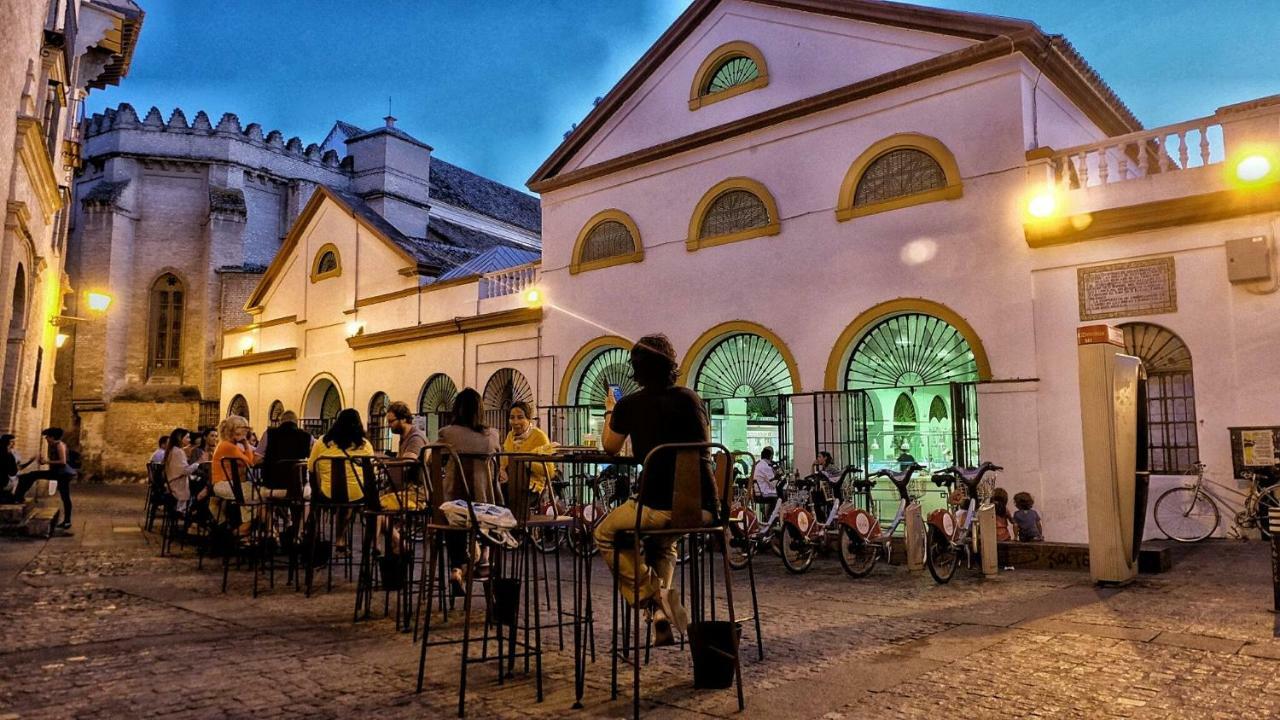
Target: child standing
(1027,519)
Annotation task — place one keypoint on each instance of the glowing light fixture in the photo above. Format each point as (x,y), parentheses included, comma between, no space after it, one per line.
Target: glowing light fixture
(533,297)
(1253,168)
(246,345)
(98,302)
(354,328)
(1042,205)
(60,339)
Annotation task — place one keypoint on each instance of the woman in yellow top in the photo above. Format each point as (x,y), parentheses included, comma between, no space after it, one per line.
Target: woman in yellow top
(525,437)
(345,439)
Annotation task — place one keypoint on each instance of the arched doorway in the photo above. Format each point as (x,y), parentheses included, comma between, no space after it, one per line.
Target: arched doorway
(435,403)
(238,406)
(919,371)
(504,388)
(1171,397)
(742,375)
(379,433)
(322,405)
(273,415)
(13,349)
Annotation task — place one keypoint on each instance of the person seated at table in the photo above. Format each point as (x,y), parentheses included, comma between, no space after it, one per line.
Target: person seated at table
(468,436)
(178,470)
(525,437)
(157,457)
(346,438)
(399,420)
(202,449)
(764,479)
(660,412)
(232,448)
(282,446)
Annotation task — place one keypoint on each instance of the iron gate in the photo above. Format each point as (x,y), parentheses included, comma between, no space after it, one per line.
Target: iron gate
(568,425)
(839,422)
(964,424)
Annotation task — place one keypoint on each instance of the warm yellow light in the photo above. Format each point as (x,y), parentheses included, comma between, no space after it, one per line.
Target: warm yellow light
(354,328)
(98,302)
(1042,205)
(533,296)
(1253,168)
(246,345)
(60,339)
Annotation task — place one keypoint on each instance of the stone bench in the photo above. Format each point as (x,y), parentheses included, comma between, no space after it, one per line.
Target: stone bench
(1152,558)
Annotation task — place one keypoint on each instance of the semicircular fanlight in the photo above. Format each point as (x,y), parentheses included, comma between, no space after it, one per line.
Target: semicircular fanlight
(330,404)
(273,415)
(738,70)
(239,406)
(910,351)
(610,367)
(437,394)
(1161,350)
(744,365)
(504,388)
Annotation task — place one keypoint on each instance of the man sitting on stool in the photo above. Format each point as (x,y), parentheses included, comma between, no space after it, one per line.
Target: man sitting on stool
(658,413)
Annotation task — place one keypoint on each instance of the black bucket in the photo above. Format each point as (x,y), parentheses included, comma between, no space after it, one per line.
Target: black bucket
(394,569)
(506,600)
(715,650)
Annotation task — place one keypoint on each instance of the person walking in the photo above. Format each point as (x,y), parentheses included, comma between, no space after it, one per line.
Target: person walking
(59,470)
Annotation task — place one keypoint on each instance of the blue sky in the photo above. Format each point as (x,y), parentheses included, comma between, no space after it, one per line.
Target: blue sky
(494,84)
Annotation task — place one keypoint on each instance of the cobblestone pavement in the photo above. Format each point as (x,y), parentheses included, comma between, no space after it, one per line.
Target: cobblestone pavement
(98,626)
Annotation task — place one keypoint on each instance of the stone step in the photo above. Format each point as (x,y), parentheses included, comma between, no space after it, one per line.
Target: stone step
(43,520)
(16,513)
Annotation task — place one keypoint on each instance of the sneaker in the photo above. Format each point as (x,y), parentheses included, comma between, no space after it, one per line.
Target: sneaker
(669,602)
(64,525)
(662,635)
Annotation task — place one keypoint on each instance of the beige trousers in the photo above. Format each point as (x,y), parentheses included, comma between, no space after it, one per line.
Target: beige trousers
(656,565)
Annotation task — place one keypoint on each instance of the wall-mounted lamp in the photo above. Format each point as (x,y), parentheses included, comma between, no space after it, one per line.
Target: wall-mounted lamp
(354,328)
(246,345)
(60,339)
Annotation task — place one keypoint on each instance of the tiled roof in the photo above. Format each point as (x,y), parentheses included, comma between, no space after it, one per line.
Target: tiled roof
(348,129)
(499,258)
(465,189)
(419,251)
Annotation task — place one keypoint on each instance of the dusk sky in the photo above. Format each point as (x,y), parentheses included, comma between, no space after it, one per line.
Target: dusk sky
(493,85)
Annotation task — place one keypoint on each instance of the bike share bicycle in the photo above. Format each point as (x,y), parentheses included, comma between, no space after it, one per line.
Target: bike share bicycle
(861,537)
(947,536)
(803,534)
(747,535)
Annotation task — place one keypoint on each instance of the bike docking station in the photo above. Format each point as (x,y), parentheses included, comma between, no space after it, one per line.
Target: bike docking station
(1112,415)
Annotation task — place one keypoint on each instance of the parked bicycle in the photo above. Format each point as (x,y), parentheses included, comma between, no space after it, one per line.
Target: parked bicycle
(948,535)
(803,532)
(747,535)
(862,539)
(1192,512)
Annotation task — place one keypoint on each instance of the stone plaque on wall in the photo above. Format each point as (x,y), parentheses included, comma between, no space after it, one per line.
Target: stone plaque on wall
(1141,287)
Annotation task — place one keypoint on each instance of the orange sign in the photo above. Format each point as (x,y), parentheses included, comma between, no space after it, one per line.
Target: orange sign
(1099,334)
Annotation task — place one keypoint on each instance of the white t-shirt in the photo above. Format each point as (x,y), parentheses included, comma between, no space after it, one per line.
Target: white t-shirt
(763,476)
(157,457)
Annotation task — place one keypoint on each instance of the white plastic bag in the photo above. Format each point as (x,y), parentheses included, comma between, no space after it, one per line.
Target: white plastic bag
(53,488)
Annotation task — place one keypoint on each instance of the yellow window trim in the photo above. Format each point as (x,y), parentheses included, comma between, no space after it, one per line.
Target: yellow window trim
(577,265)
(698,97)
(316,275)
(588,352)
(913,141)
(695,242)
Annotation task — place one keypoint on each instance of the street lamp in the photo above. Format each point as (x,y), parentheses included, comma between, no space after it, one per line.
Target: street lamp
(533,297)
(59,340)
(98,302)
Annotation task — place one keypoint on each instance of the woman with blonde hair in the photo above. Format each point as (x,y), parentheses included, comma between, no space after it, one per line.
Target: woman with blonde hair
(233,447)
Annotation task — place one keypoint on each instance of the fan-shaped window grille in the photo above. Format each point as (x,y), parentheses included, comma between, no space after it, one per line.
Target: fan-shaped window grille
(1173,445)
(437,394)
(910,350)
(239,406)
(610,367)
(273,415)
(503,389)
(899,173)
(379,433)
(330,405)
(607,239)
(938,409)
(328,262)
(734,71)
(744,365)
(734,211)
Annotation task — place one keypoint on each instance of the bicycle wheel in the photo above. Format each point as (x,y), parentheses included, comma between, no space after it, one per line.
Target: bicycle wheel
(546,540)
(857,556)
(741,547)
(940,556)
(1267,498)
(1186,515)
(797,553)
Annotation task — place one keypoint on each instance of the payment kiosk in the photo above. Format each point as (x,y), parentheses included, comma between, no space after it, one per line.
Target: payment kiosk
(1112,415)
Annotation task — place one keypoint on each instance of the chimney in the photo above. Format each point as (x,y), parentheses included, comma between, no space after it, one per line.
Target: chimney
(390,171)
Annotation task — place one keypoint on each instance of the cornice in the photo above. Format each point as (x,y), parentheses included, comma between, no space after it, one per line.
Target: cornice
(256,358)
(456,326)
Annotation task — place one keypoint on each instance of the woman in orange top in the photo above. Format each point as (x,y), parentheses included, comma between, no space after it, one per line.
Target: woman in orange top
(233,447)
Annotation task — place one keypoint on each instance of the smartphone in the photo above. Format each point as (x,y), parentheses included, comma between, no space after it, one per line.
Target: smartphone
(615,391)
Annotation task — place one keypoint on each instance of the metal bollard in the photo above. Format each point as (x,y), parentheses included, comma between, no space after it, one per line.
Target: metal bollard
(987,548)
(915,537)
(1273,517)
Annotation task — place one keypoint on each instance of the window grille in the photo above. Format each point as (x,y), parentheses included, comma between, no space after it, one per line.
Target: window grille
(1173,446)
(733,211)
(167,298)
(899,173)
(607,239)
(734,71)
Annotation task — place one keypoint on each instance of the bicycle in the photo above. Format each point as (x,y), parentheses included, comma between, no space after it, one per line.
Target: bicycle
(803,534)
(946,537)
(862,539)
(747,535)
(1191,513)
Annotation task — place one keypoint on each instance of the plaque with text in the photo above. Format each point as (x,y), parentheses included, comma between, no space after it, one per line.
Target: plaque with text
(1141,287)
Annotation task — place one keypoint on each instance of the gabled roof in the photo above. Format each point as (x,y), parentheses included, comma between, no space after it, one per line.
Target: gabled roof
(416,258)
(499,258)
(462,188)
(996,36)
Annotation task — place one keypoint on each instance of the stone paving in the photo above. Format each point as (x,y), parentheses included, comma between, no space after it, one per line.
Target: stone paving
(98,626)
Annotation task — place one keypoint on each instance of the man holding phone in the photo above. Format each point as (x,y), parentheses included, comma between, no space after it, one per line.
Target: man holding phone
(659,413)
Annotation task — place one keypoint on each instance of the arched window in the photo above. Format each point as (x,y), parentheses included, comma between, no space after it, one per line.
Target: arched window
(744,366)
(1171,399)
(731,69)
(899,171)
(238,406)
(13,348)
(273,415)
(938,409)
(910,350)
(611,366)
(735,209)
(435,402)
(608,238)
(327,263)
(167,304)
(320,406)
(379,433)
(503,389)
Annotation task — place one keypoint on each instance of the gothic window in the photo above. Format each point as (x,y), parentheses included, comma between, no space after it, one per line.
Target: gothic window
(731,69)
(167,304)
(899,173)
(1173,446)
(610,238)
(327,263)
